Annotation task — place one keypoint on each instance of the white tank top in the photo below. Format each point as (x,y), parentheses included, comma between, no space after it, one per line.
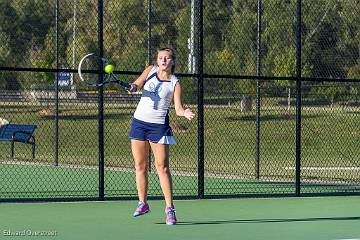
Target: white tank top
(156,98)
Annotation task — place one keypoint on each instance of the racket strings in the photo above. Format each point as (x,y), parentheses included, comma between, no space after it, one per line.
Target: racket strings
(88,72)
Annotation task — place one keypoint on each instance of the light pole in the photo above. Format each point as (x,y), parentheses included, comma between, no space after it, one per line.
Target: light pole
(191,41)
(74,43)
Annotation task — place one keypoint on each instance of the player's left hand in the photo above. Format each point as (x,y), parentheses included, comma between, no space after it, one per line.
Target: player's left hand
(188,114)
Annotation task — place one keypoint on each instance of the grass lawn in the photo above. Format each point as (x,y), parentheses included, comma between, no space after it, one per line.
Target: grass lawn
(330,140)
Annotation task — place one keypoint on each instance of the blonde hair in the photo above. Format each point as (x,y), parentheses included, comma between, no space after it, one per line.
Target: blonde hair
(173,56)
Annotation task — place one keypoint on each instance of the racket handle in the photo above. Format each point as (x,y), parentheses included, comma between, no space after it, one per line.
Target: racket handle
(122,83)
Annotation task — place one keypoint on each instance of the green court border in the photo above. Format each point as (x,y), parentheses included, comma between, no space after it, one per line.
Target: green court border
(68,183)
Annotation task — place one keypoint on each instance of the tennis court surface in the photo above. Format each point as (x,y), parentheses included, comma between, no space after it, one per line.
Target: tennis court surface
(318,218)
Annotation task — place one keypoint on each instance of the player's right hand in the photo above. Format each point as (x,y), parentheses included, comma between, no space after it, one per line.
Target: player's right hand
(133,88)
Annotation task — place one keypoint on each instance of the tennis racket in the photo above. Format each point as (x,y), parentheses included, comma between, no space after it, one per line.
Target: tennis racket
(88,72)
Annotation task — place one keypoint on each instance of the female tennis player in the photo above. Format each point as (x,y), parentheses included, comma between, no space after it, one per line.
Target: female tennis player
(150,128)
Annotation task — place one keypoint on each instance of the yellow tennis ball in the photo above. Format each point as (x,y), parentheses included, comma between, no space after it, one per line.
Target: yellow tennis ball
(109,68)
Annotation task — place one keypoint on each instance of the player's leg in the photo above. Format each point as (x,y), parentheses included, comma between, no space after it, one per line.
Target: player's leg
(161,154)
(140,151)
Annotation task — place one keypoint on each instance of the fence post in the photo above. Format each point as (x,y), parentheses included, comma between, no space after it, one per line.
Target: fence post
(201,166)
(258,93)
(298,97)
(56,131)
(101,103)
(149,10)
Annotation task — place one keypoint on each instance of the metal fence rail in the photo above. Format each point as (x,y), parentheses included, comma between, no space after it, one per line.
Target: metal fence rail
(274,85)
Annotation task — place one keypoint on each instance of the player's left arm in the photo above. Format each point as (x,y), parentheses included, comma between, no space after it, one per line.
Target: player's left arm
(178,102)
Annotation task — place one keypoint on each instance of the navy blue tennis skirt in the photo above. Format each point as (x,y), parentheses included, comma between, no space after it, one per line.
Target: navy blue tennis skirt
(153,132)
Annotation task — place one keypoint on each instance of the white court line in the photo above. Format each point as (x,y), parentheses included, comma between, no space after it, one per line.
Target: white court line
(348,239)
(326,169)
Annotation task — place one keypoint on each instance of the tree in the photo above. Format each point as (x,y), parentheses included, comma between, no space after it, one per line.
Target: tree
(331,40)
(351,37)
(285,65)
(8,29)
(239,56)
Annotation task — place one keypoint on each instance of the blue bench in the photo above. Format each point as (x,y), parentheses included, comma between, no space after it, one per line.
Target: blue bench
(18,133)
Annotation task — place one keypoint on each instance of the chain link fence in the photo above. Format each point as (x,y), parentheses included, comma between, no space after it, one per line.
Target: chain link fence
(277,102)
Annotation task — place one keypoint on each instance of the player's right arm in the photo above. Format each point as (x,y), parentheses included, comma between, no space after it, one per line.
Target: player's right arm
(139,82)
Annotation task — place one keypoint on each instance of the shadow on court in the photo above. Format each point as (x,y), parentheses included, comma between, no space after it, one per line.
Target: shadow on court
(274,220)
